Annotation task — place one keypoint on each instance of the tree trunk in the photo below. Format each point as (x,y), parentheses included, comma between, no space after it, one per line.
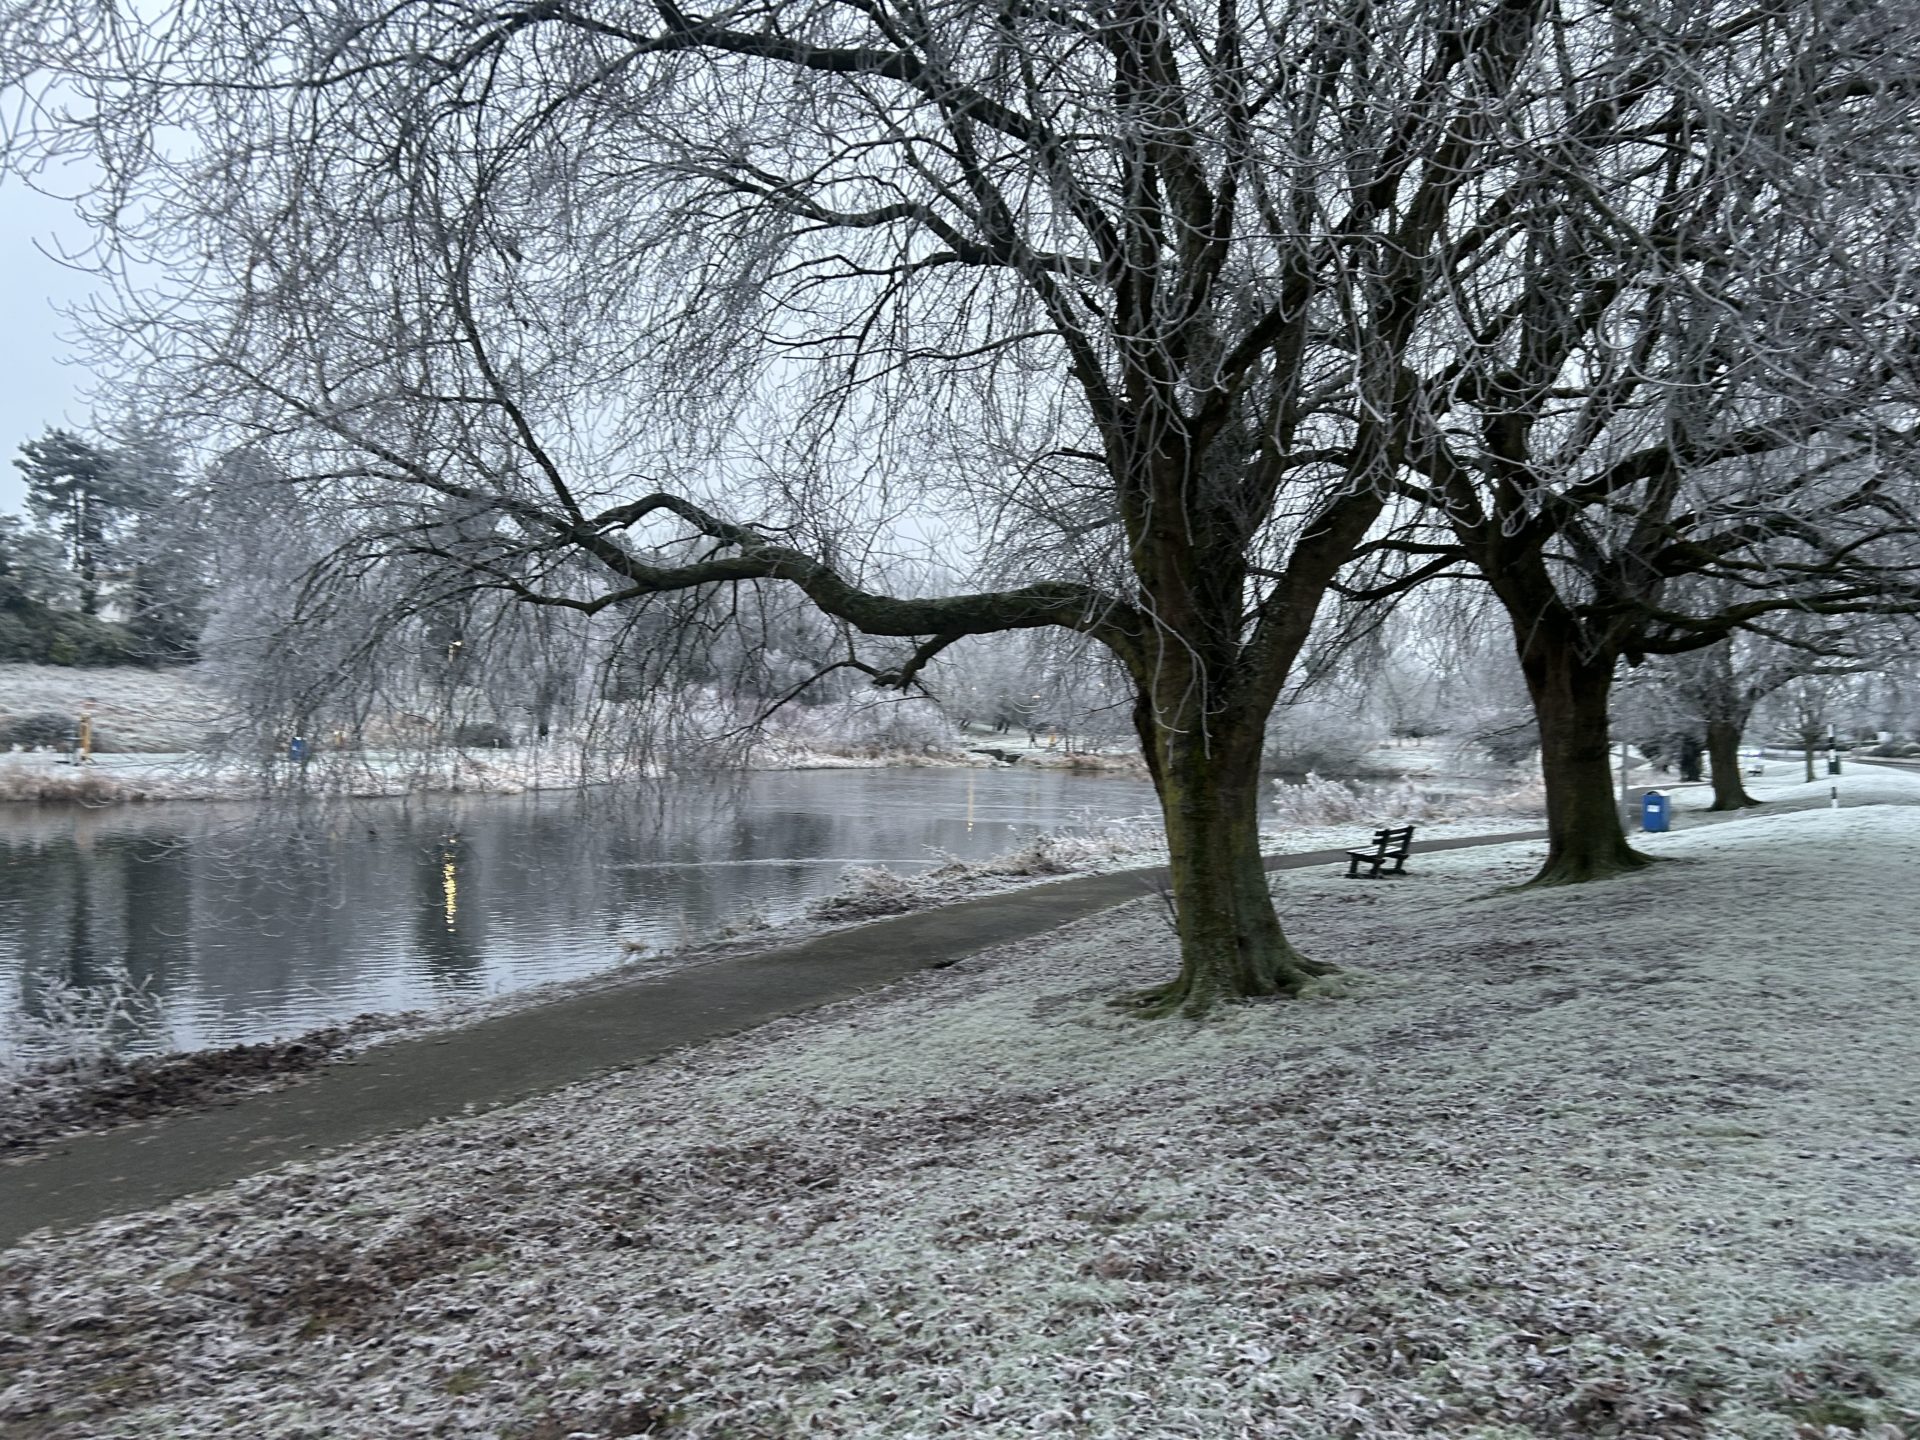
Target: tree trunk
(1585,839)
(1689,746)
(1723,754)
(86,545)
(1231,944)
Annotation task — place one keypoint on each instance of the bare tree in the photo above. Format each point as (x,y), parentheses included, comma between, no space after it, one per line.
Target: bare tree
(74,488)
(1805,707)
(1138,310)
(1601,590)
(1708,371)
(1720,686)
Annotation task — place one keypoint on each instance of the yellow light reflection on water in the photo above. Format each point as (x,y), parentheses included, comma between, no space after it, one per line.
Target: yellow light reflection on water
(450,890)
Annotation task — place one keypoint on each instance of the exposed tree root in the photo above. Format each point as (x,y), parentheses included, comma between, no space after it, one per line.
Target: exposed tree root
(1581,869)
(1193,995)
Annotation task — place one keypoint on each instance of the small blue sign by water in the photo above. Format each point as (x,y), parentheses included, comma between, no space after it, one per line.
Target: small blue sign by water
(1653,812)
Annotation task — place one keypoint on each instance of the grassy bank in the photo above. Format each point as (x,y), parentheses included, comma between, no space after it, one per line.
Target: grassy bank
(1639,1159)
(134,710)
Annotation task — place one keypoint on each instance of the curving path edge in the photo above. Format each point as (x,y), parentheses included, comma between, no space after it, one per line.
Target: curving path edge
(402,1084)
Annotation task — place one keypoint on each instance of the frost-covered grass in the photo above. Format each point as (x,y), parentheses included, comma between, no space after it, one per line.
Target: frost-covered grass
(66,1045)
(1639,1159)
(133,709)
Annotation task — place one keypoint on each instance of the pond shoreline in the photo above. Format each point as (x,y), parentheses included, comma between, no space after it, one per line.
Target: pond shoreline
(253,921)
(64,1100)
(134,778)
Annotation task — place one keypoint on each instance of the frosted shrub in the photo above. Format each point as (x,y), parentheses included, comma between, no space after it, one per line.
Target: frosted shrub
(77,785)
(1058,852)
(864,727)
(77,1027)
(1307,736)
(1040,856)
(40,729)
(751,923)
(1112,840)
(868,892)
(1315,801)
(1529,798)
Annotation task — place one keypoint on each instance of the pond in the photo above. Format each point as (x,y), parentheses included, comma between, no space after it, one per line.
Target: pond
(252,921)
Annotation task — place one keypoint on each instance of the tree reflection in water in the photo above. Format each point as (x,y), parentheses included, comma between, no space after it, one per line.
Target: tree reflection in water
(252,921)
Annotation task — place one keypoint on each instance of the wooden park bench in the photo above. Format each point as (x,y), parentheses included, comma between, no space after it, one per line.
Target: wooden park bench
(1389,844)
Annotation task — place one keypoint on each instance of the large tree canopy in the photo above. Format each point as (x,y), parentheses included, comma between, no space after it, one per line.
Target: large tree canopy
(1694,409)
(1139,310)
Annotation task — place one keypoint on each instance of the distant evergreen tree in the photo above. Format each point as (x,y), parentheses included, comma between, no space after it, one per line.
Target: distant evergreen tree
(32,575)
(162,550)
(75,488)
(32,567)
(118,524)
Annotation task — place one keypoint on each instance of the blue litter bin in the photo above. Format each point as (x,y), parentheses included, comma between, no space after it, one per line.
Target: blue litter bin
(1653,812)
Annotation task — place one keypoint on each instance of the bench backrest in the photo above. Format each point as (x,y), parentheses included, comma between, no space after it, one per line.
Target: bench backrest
(1390,838)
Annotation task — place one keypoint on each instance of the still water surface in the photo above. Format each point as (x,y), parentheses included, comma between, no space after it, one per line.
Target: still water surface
(251,922)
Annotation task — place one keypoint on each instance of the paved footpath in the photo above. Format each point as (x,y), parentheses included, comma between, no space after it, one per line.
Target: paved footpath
(407,1083)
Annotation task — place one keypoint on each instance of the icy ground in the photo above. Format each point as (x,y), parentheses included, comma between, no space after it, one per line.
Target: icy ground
(1784,782)
(1639,1159)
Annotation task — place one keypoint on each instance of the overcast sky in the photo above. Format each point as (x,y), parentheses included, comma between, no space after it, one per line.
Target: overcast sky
(36,388)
